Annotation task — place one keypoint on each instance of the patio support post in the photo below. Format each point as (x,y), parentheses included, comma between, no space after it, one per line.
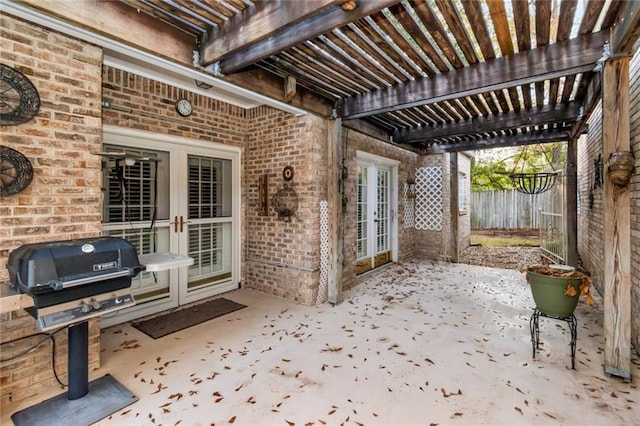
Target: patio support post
(571,205)
(334,207)
(453,202)
(616,222)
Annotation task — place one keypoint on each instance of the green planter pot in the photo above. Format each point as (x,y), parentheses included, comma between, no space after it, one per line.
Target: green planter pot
(548,293)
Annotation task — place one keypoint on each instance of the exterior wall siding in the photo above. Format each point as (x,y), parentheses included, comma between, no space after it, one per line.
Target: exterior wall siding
(64,199)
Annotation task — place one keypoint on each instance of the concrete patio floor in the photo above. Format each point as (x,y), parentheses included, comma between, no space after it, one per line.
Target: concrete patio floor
(420,343)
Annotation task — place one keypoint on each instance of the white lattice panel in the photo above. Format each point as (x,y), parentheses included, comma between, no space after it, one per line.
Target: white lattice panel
(323,288)
(408,208)
(428,206)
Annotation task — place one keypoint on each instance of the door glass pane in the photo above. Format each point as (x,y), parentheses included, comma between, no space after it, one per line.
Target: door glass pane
(209,187)
(136,186)
(210,248)
(361,215)
(382,225)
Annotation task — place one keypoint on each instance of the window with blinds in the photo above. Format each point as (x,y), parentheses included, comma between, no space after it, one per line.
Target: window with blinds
(137,192)
(209,187)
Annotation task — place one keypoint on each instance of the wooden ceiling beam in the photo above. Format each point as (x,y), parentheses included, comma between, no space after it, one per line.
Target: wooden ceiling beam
(504,121)
(624,36)
(553,61)
(307,29)
(498,142)
(259,21)
(627,32)
(118,21)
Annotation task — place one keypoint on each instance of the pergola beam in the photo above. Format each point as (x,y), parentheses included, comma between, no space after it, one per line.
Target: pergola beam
(261,20)
(498,142)
(307,29)
(557,60)
(509,120)
(624,37)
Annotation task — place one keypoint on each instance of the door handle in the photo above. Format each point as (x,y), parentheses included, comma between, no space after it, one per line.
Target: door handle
(181,223)
(175,224)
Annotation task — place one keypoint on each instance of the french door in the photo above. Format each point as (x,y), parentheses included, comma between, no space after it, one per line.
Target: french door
(168,194)
(376,212)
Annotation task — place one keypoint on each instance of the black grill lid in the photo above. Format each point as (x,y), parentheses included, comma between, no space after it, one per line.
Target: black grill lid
(49,266)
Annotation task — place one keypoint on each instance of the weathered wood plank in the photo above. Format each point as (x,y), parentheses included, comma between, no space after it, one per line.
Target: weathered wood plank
(543,25)
(616,223)
(571,205)
(436,30)
(334,207)
(523,35)
(479,27)
(495,142)
(575,55)
(626,33)
(255,24)
(307,29)
(384,24)
(509,120)
(456,26)
(501,26)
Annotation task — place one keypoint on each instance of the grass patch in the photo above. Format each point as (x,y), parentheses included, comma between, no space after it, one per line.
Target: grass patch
(502,241)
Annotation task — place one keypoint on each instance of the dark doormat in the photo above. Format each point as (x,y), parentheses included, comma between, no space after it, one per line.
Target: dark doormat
(174,321)
(106,396)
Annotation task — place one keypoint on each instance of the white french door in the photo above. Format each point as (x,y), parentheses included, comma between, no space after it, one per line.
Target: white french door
(173,195)
(376,242)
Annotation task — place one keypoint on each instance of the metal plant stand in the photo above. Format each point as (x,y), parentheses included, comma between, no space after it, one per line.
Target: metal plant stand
(535,332)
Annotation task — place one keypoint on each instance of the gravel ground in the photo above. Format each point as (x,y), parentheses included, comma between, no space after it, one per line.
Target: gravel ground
(501,257)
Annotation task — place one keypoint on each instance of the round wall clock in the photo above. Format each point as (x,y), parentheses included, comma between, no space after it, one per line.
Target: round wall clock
(19,99)
(287,173)
(184,107)
(16,172)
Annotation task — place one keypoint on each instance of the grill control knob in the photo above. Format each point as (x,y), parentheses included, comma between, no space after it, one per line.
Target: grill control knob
(86,308)
(96,305)
(117,301)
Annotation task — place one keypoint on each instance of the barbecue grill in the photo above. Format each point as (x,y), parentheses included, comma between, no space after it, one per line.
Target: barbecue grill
(72,281)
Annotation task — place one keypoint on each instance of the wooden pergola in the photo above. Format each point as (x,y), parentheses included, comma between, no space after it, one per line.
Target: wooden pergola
(432,76)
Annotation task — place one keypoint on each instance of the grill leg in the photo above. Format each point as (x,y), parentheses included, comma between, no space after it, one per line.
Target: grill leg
(78,362)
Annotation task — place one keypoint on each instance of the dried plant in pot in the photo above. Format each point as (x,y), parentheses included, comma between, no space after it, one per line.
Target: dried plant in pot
(556,289)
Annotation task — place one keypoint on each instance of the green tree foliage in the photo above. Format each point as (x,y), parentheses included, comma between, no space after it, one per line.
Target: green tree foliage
(490,171)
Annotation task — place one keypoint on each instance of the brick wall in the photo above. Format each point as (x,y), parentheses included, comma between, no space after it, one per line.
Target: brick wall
(63,200)
(144,104)
(283,257)
(590,201)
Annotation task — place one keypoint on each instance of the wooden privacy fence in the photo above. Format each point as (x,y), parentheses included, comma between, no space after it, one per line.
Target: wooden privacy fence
(509,209)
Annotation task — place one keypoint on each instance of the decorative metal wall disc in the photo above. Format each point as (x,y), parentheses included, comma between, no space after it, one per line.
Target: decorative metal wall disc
(16,172)
(19,99)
